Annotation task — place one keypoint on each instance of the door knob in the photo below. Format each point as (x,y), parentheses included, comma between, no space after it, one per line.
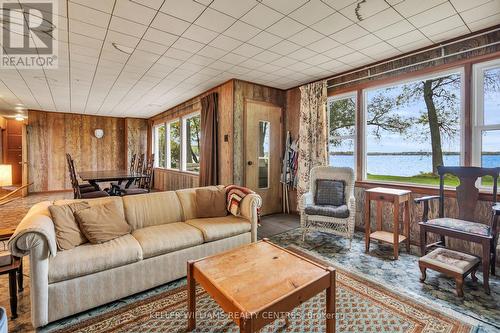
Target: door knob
(249,162)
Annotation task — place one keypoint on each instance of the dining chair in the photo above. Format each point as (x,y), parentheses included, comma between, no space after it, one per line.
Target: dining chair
(85,191)
(118,185)
(145,183)
(465,227)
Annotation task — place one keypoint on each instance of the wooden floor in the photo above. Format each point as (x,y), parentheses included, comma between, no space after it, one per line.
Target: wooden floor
(275,224)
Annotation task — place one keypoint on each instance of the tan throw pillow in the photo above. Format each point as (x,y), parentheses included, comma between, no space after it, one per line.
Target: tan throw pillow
(211,202)
(68,234)
(102,223)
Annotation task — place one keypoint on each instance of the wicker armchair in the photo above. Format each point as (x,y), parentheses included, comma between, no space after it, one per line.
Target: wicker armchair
(341,226)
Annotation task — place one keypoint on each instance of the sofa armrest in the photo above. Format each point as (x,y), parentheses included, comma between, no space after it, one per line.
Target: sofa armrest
(35,228)
(248,209)
(306,199)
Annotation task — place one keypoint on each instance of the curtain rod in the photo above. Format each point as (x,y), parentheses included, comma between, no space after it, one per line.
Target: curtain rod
(407,66)
(441,46)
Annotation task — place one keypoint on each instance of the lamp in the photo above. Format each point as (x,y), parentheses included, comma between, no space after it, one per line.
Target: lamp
(5,174)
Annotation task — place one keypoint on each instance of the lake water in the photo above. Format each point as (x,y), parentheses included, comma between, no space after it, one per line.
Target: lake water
(405,165)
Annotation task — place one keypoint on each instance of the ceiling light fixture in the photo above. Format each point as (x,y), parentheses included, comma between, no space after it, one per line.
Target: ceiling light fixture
(19,108)
(19,118)
(122,48)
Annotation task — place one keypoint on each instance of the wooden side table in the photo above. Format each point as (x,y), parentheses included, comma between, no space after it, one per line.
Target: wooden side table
(396,197)
(15,271)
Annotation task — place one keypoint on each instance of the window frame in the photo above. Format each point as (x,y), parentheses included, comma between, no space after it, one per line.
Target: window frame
(156,148)
(363,115)
(478,125)
(183,143)
(354,137)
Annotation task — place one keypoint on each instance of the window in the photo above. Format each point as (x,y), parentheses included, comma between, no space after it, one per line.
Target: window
(413,127)
(342,131)
(192,146)
(159,145)
(177,143)
(264,137)
(487,120)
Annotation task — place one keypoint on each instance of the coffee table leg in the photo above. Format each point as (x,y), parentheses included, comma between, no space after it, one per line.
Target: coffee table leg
(13,293)
(330,303)
(20,286)
(191,285)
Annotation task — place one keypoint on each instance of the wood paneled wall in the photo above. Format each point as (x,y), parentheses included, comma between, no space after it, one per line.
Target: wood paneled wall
(136,134)
(171,180)
(51,135)
(292,113)
(242,91)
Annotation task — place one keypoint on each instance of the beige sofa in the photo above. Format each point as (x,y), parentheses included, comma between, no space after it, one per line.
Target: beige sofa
(165,234)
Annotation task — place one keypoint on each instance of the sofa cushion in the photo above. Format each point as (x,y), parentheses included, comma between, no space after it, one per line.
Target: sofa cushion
(102,223)
(68,233)
(187,198)
(329,192)
(95,202)
(340,212)
(220,227)
(146,210)
(210,202)
(160,239)
(92,258)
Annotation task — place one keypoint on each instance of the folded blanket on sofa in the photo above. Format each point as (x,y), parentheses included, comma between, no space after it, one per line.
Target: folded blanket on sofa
(235,195)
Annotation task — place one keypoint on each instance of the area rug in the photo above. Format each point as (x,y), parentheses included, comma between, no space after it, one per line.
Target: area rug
(362,306)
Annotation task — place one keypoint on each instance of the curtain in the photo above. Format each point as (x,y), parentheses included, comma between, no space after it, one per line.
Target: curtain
(209,141)
(312,132)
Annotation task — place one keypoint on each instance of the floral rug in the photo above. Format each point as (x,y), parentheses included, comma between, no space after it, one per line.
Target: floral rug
(362,306)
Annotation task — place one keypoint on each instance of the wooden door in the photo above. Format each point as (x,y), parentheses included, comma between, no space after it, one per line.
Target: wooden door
(13,149)
(263,153)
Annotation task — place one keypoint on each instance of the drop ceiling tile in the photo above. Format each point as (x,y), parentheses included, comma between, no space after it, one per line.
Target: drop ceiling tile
(409,8)
(331,65)
(463,5)
(439,27)
(264,40)
(160,37)
(381,20)
(306,37)
(284,6)
(323,45)
(332,24)
(364,9)
(188,45)
(338,51)
(214,20)
(284,47)
(298,66)
(269,68)
(153,4)
(355,59)
(312,12)
(414,45)
(183,9)
(85,41)
(85,29)
(225,43)
(127,27)
(241,31)
(212,52)
(283,62)
(234,8)
(247,50)
(266,56)
(481,12)
(178,54)
(339,4)
(379,49)
(169,24)
(394,30)
(435,14)
(302,54)
(200,60)
(446,35)
(220,65)
(134,12)
(410,37)
(317,59)
(233,58)
(199,34)
(364,42)
(484,23)
(348,34)
(152,47)
(285,27)
(261,16)
(88,15)
(238,70)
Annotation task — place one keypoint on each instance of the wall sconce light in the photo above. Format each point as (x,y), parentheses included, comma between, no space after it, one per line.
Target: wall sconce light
(99,133)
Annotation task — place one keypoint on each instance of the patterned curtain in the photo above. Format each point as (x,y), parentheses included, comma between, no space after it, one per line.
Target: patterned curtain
(312,132)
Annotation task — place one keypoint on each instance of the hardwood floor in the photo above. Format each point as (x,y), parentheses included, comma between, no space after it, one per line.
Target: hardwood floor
(275,224)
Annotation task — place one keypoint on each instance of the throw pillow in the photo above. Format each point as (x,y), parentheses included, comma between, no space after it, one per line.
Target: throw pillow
(210,202)
(329,192)
(68,234)
(102,223)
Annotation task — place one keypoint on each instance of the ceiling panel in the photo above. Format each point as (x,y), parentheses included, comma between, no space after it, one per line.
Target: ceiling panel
(138,58)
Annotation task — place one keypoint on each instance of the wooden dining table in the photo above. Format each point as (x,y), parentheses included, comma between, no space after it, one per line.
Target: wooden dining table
(95,177)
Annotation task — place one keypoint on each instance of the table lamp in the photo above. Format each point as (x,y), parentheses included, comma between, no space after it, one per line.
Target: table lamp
(5,175)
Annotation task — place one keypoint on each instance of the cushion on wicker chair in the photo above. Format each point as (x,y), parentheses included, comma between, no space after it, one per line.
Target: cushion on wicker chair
(340,212)
(329,192)
(461,225)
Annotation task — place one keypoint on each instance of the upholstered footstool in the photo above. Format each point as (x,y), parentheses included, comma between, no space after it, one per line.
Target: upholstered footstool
(451,263)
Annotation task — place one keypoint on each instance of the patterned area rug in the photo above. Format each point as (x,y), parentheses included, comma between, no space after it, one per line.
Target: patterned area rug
(362,306)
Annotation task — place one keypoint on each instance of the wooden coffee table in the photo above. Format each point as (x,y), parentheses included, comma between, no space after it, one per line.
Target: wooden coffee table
(259,283)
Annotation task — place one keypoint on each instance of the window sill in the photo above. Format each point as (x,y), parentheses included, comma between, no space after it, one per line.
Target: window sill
(191,173)
(449,191)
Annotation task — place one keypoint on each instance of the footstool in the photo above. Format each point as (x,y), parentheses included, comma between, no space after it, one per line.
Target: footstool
(451,263)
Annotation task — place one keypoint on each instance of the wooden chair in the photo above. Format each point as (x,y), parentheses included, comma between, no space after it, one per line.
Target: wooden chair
(117,186)
(145,184)
(85,191)
(464,227)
